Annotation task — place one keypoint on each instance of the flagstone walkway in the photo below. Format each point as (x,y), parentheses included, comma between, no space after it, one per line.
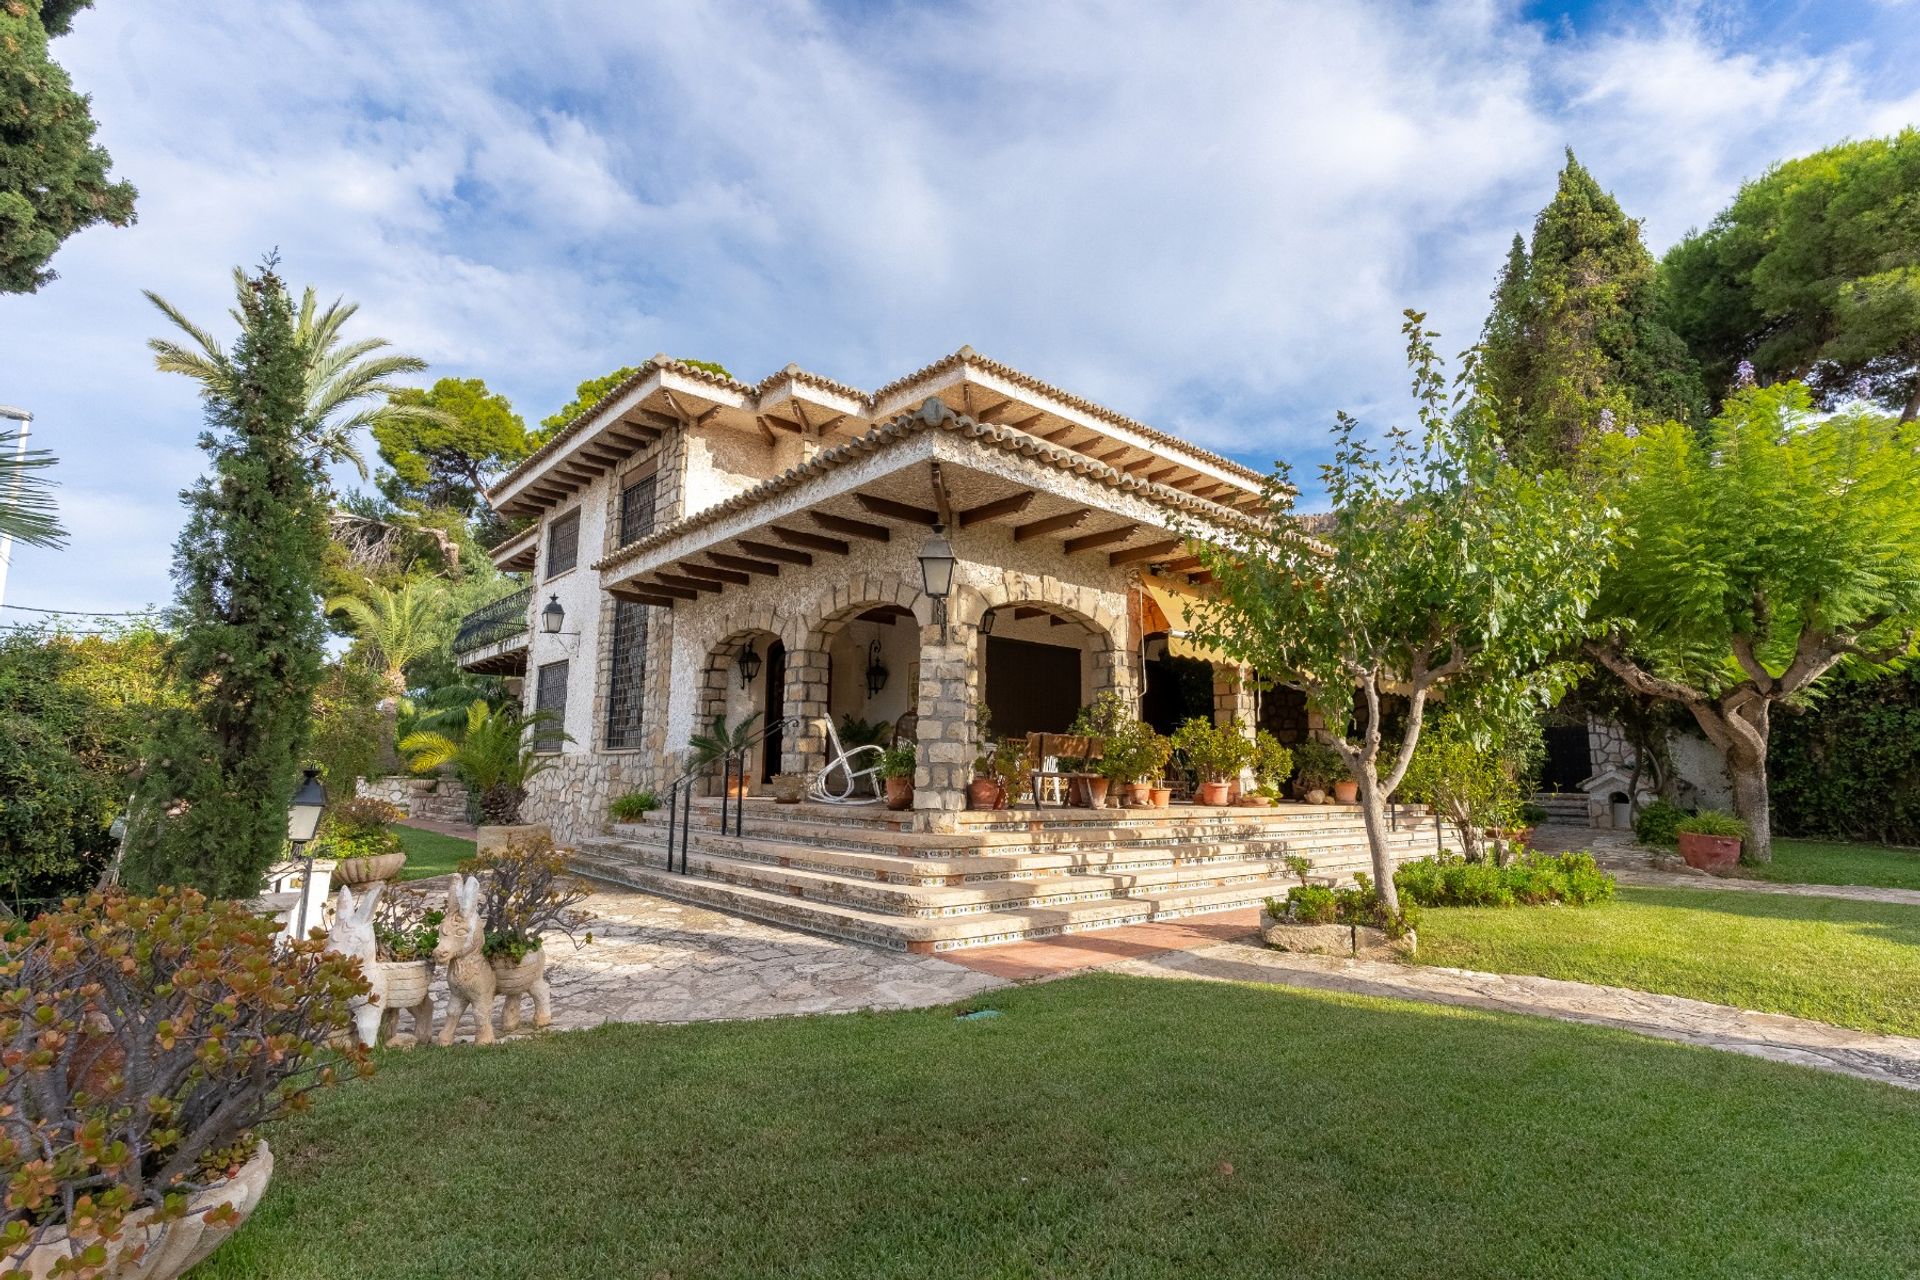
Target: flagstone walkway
(1891,1060)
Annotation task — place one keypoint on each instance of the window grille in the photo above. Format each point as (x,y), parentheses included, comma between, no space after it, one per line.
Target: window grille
(550,694)
(636,508)
(563,543)
(627,679)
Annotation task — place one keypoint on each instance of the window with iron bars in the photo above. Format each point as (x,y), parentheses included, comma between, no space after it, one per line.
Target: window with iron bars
(550,694)
(627,682)
(563,543)
(636,508)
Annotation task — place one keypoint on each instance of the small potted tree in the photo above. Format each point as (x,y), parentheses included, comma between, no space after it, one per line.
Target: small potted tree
(497,754)
(722,740)
(1271,765)
(147,1040)
(1217,752)
(1710,840)
(359,837)
(896,770)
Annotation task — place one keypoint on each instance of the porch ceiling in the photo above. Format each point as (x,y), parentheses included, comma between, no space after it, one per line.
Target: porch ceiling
(929,481)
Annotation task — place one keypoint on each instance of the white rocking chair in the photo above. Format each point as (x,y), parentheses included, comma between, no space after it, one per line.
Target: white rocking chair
(839,782)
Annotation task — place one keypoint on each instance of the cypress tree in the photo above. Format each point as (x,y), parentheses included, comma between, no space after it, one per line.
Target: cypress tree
(1575,343)
(212,810)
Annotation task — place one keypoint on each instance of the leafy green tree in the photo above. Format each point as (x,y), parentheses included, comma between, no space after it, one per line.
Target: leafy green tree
(53,178)
(1575,344)
(1756,560)
(1442,567)
(344,385)
(1813,273)
(27,510)
(594,390)
(448,462)
(212,810)
(395,627)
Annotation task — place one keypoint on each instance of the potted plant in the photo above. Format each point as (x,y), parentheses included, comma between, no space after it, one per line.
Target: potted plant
(896,770)
(393,936)
(1271,765)
(984,791)
(1316,768)
(1710,840)
(1146,753)
(722,740)
(1217,752)
(497,755)
(632,806)
(176,1028)
(490,938)
(359,838)
(789,788)
(1005,769)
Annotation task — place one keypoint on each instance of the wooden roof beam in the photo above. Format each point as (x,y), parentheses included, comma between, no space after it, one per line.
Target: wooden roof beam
(812,541)
(745,565)
(875,505)
(768,551)
(1153,550)
(687,584)
(1050,524)
(1087,542)
(1012,504)
(693,569)
(852,528)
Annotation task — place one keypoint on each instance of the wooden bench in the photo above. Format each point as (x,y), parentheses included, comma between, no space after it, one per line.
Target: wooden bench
(1042,747)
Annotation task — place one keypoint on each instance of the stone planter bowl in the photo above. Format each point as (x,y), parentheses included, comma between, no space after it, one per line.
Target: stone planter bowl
(354,872)
(171,1247)
(511,979)
(789,788)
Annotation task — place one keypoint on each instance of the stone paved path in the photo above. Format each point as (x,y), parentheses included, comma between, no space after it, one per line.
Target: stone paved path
(1635,864)
(1891,1060)
(652,960)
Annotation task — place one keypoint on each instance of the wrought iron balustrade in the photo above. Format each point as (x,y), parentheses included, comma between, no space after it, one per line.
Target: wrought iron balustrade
(504,619)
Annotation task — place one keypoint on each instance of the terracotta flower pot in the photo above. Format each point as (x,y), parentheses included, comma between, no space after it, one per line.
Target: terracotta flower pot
(1346,791)
(1214,793)
(171,1247)
(1097,792)
(1139,795)
(355,872)
(1709,853)
(1159,797)
(899,793)
(986,793)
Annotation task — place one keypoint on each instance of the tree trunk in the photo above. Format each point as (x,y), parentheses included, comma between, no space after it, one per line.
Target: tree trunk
(1373,809)
(1749,778)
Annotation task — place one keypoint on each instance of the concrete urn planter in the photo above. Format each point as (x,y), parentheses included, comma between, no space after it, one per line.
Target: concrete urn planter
(986,793)
(1709,853)
(789,788)
(406,985)
(355,872)
(488,839)
(1359,941)
(171,1247)
(513,980)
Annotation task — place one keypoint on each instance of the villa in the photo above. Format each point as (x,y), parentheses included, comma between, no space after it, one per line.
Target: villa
(699,547)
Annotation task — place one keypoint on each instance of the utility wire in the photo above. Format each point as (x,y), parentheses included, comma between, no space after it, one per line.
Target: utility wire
(84,613)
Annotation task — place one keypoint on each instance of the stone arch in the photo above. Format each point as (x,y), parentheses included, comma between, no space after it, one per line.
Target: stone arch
(719,691)
(1116,662)
(810,652)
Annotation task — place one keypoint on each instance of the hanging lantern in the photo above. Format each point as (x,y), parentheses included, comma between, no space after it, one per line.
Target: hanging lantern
(749,664)
(876,670)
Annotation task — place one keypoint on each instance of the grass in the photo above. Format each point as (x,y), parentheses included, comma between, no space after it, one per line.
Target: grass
(429,853)
(1856,964)
(1832,862)
(1102,1126)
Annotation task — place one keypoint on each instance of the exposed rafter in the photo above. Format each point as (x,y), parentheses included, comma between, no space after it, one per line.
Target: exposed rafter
(1133,555)
(873,504)
(770,552)
(852,528)
(1106,537)
(745,565)
(815,541)
(1012,504)
(1050,524)
(694,569)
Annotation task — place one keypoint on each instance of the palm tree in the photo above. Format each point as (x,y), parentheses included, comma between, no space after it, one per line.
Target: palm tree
(497,755)
(27,512)
(395,626)
(347,384)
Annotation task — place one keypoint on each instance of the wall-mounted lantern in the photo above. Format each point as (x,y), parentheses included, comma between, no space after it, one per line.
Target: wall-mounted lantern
(876,670)
(749,664)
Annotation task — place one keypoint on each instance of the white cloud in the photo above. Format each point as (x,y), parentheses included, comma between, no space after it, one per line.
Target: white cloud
(1210,219)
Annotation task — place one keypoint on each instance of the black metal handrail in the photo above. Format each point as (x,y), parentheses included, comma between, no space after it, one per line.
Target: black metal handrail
(492,623)
(679,795)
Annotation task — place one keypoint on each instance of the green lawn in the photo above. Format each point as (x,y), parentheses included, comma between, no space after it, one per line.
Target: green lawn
(1856,964)
(429,853)
(1101,1126)
(1831,862)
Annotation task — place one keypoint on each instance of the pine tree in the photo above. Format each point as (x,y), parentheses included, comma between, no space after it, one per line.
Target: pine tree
(212,808)
(1575,344)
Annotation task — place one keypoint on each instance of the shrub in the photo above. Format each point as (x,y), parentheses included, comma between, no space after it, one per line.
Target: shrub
(1658,823)
(404,926)
(1532,878)
(1533,815)
(897,762)
(1216,751)
(632,805)
(1308,904)
(1272,763)
(1712,822)
(1317,766)
(1361,905)
(358,828)
(143,1042)
(524,890)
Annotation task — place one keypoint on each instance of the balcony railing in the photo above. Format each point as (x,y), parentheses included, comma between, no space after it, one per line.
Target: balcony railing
(504,619)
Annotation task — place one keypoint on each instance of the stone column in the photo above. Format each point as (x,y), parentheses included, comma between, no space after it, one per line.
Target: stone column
(1234,705)
(949,687)
(805,752)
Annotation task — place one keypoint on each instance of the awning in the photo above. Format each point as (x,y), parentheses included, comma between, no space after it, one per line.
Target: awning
(1170,609)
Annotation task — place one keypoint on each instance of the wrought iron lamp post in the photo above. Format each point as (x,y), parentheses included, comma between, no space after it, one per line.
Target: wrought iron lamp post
(303,823)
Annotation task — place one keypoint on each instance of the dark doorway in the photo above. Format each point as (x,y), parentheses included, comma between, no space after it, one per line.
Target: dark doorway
(1283,713)
(1178,690)
(775,673)
(1031,688)
(1569,758)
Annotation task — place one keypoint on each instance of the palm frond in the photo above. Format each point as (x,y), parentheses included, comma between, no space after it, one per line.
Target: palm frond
(28,512)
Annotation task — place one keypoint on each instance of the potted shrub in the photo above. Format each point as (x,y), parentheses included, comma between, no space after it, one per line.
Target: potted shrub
(896,770)
(146,1042)
(984,791)
(1317,767)
(1149,752)
(490,936)
(1217,752)
(722,740)
(1272,763)
(359,838)
(1006,769)
(496,755)
(632,806)
(1710,840)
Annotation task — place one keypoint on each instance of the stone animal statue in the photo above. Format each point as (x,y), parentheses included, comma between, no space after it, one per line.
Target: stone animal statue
(352,935)
(473,980)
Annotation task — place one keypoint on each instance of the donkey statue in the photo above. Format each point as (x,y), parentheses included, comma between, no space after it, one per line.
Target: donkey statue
(352,935)
(473,980)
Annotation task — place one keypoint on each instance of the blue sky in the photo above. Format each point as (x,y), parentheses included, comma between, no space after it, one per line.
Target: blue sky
(1208,216)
